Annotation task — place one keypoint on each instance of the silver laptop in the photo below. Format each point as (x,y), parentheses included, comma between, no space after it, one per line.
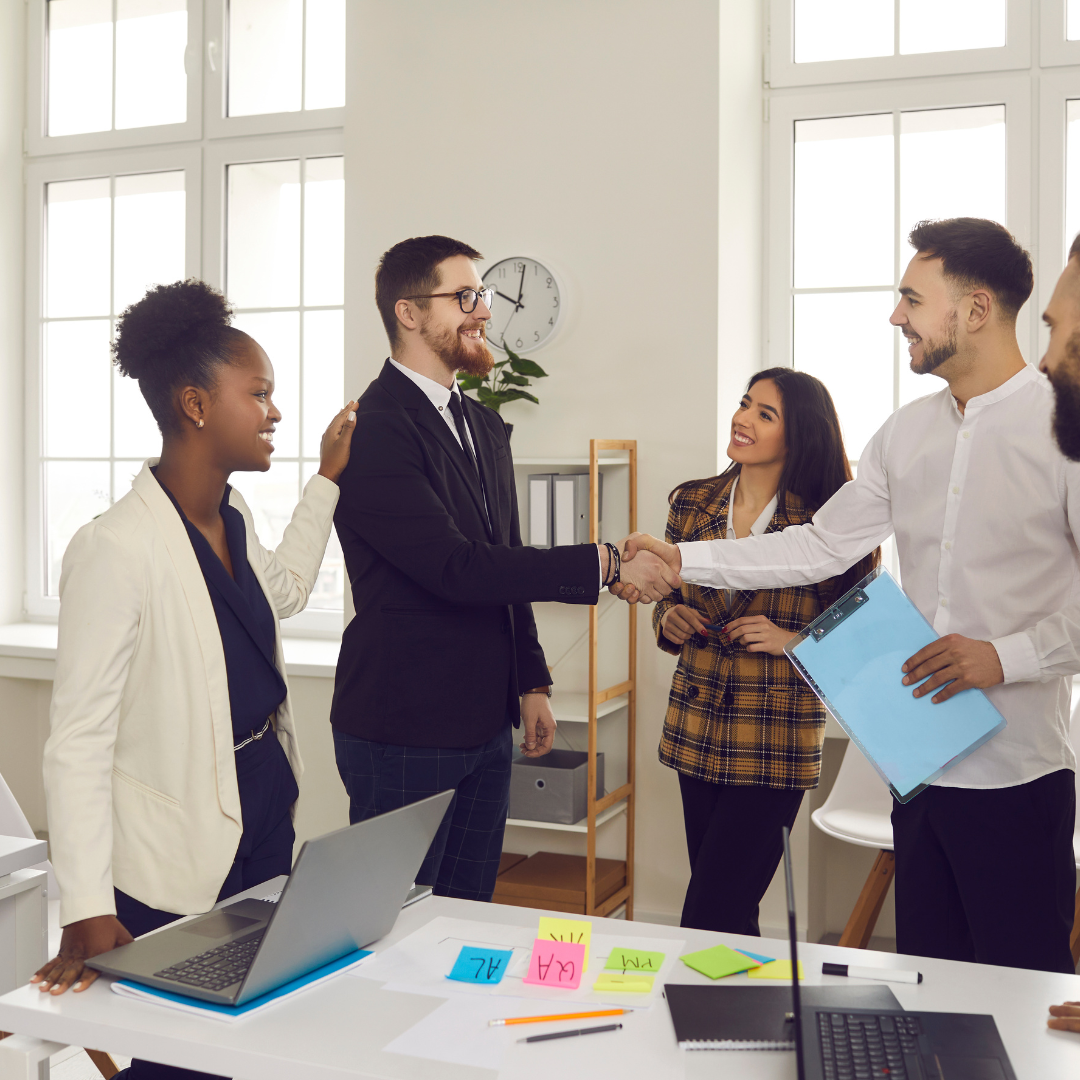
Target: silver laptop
(344,892)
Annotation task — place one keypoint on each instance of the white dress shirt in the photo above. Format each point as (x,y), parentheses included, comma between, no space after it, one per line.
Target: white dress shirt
(986,513)
(759,526)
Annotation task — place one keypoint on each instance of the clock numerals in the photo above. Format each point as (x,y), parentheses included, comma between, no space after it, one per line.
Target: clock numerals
(525,309)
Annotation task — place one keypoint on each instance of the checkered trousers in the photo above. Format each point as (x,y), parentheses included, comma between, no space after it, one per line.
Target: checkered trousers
(463,859)
(739,717)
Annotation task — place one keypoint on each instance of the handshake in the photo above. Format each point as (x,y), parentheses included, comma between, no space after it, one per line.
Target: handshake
(650,569)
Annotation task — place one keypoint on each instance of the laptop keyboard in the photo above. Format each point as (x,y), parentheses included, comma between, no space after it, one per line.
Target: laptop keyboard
(861,1046)
(216,968)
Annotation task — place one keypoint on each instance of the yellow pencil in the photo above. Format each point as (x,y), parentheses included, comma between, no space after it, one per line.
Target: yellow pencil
(557,1016)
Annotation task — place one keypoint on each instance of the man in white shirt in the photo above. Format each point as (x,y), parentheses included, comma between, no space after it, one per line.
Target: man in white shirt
(986,513)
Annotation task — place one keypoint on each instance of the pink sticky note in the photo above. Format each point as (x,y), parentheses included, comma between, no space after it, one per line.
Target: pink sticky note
(556,963)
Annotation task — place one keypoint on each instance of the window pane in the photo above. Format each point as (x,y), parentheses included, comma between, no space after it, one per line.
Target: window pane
(844,201)
(77,248)
(75,493)
(76,401)
(949,25)
(149,234)
(264,56)
(952,164)
(1072,174)
(329,591)
(80,66)
(272,497)
(324,231)
(151,86)
(1072,20)
(842,29)
(846,341)
(324,374)
(324,69)
(278,332)
(263,257)
(123,473)
(135,431)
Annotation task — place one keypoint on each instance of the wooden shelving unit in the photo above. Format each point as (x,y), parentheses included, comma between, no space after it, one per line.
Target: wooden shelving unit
(597,702)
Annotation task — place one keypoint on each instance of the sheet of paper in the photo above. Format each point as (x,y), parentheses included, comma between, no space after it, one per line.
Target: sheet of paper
(556,964)
(617,982)
(778,969)
(757,956)
(718,961)
(570,930)
(484,966)
(632,961)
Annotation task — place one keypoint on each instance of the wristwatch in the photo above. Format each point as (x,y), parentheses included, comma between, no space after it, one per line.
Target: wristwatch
(538,690)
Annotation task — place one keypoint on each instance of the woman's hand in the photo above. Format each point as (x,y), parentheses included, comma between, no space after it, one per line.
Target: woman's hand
(1065,1017)
(680,623)
(337,442)
(759,634)
(80,941)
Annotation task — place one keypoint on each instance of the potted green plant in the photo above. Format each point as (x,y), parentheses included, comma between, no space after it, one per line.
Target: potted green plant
(505,382)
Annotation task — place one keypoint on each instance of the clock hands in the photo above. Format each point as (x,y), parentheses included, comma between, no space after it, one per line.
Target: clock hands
(521,285)
(517,303)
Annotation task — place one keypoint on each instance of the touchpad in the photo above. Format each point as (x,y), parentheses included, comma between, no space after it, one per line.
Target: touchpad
(971,1068)
(220,924)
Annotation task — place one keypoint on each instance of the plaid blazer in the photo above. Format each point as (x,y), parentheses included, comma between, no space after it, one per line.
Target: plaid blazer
(739,717)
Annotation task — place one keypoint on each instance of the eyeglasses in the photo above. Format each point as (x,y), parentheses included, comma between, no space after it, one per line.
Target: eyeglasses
(466,298)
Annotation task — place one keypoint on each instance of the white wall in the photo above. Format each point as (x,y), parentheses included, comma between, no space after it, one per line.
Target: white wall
(12,82)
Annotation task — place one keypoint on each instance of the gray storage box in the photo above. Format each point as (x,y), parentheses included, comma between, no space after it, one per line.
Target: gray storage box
(554,787)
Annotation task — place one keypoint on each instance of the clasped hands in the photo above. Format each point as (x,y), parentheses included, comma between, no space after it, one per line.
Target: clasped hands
(647,574)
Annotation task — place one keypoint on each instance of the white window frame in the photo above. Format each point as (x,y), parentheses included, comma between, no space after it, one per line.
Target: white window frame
(39,175)
(1054,49)
(217,158)
(218,123)
(39,143)
(781,69)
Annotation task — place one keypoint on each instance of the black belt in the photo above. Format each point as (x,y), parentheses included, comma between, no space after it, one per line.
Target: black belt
(255,736)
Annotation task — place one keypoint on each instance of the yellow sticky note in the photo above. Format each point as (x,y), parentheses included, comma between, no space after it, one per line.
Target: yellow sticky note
(614,981)
(778,969)
(572,930)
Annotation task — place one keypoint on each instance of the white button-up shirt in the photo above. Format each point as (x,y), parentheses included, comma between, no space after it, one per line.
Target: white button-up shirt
(439,396)
(986,513)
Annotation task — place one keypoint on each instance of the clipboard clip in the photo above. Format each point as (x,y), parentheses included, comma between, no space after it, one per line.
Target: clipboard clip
(831,619)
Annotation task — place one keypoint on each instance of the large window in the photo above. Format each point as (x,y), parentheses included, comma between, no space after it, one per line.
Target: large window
(133,182)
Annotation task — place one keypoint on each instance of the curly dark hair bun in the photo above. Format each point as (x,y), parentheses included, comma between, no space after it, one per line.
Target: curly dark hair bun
(176,335)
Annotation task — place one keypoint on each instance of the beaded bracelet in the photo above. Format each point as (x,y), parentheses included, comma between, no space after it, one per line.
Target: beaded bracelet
(614,565)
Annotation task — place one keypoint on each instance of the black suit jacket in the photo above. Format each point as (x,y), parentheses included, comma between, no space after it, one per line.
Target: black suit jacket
(444,639)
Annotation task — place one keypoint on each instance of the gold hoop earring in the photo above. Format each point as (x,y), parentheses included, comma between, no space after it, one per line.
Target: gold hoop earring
(198,423)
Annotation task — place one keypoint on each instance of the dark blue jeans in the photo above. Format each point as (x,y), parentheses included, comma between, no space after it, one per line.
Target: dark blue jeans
(267,792)
(463,859)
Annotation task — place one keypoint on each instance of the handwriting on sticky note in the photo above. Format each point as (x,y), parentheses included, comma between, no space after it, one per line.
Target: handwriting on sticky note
(634,961)
(556,964)
(608,981)
(575,931)
(484,966)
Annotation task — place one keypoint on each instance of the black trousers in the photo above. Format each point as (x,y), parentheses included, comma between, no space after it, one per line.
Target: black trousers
(987,875)
(463,860)
(267,792)
(733,839)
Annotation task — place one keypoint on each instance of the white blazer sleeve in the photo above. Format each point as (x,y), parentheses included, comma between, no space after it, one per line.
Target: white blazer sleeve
(290,570)
(101,596)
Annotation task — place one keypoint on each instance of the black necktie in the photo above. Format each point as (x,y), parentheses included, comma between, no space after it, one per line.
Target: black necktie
(462,430)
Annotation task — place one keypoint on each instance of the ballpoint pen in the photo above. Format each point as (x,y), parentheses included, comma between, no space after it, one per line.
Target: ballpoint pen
(571,1034)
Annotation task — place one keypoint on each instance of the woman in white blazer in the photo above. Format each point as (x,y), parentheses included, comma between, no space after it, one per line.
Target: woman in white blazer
(171,766)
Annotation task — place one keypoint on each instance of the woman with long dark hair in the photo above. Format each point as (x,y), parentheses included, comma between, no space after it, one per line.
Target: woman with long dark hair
(171,768)
(743,731)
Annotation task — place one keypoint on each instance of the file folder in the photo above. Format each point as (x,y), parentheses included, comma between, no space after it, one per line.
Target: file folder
(851,656)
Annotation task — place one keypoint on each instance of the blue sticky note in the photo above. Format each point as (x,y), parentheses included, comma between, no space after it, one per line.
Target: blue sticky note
(484,966)
(757,956)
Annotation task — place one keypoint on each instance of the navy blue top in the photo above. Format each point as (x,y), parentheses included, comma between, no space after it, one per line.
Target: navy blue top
(245,622)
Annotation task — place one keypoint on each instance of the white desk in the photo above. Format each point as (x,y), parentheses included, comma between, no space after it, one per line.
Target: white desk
(337,1030)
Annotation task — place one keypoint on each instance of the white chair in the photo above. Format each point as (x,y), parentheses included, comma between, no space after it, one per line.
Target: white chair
(858,811)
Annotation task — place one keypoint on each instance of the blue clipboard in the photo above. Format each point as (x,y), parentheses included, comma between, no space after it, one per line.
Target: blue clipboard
(851,656)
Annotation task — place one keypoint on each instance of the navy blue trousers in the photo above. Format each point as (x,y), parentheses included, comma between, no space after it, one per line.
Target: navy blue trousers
(267,791)
(463,859)
(987,875)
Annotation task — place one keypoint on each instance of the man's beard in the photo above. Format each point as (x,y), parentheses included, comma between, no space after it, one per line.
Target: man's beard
(1066,383)
(457,354)
(935,353)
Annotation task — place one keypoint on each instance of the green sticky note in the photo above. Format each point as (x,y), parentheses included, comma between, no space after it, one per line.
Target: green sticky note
(718,961)
(634,961)
(778,969)
(615,981)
